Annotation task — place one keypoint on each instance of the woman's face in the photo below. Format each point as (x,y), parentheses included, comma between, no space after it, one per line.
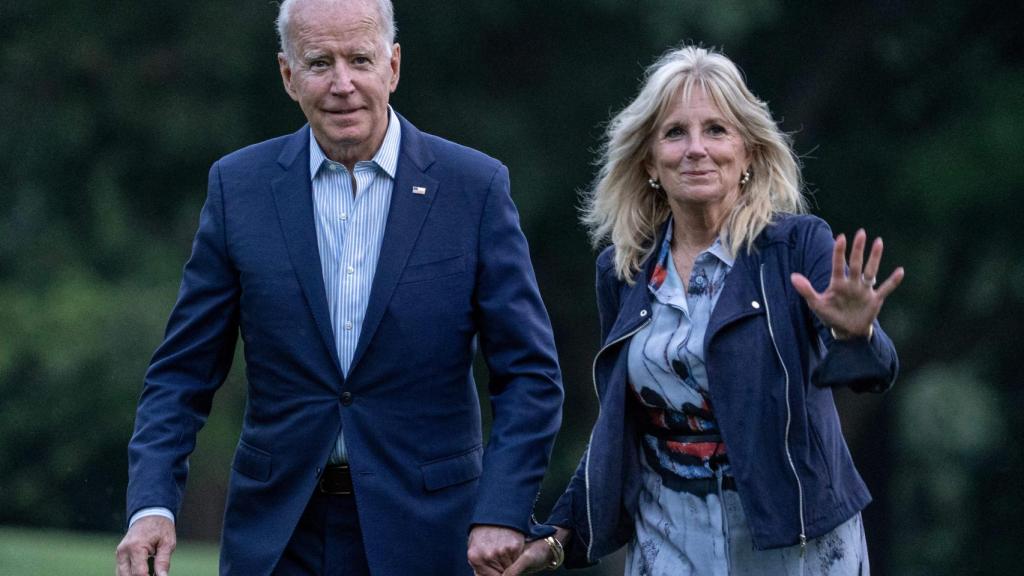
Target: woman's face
(697,155)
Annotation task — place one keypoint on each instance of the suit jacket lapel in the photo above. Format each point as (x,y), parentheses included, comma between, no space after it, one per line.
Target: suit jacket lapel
(293,194)
(406,215)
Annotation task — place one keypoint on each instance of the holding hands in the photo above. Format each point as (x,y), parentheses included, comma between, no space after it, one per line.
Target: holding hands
(852,301)
(540,555)
(492,549)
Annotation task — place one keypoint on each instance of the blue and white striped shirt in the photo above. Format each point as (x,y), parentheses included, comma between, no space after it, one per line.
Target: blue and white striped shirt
(349,231)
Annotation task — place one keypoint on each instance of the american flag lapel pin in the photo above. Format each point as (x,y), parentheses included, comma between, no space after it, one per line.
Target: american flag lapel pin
(419,190)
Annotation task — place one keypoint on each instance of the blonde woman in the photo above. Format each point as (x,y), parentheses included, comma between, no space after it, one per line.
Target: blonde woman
(727,317)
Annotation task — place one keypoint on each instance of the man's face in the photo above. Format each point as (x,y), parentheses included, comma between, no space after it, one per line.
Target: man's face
(341,75)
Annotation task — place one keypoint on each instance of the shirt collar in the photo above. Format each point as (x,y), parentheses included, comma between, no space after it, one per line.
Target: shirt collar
(386,157)
(718,250)
(664,263)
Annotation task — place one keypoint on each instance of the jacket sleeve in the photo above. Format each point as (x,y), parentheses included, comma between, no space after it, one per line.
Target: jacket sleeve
(571,505)
(525,383)
(564,514)
(187,368)
(859,364)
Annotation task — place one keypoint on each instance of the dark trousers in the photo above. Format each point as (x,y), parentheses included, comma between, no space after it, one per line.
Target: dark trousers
(327,541)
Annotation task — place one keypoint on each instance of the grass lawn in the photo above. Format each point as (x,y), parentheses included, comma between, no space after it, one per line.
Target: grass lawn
(25,552)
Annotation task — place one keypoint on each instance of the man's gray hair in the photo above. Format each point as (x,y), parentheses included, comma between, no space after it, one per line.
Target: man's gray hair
(385,13)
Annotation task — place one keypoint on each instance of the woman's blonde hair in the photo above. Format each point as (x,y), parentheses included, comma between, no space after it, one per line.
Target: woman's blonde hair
(624,208)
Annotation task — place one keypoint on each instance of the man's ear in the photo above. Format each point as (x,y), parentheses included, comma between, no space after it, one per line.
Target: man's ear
(286,75)
(396,65)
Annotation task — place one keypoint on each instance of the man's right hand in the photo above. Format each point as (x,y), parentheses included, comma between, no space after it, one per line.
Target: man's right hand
(148,536)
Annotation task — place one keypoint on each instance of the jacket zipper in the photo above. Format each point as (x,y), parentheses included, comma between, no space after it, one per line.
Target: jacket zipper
(789,417)
(586,468)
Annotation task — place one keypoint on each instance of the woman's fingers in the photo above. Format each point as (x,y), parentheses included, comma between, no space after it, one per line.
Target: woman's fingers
(803,287)
(890,283)
(535,558)
(857,269)
(870,273)
(852,300)
(839,260)
(857,254)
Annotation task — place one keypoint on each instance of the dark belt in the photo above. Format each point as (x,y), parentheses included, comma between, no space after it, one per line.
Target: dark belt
(681,438)
(701,486)
(336,480)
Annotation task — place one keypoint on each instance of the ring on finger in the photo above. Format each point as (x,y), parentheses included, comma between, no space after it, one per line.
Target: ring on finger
(869,280)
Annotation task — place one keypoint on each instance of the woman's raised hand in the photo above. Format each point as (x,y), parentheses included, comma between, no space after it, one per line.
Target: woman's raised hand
(852,300)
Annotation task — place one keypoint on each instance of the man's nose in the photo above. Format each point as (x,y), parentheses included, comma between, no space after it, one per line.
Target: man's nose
(341,79)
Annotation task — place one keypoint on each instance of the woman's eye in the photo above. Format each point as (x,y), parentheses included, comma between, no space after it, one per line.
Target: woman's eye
(673,132)
(716,130)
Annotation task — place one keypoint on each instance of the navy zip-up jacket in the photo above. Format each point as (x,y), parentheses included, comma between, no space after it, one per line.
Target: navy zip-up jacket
(771,367)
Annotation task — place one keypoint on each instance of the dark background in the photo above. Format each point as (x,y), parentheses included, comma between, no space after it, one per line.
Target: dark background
(908,115)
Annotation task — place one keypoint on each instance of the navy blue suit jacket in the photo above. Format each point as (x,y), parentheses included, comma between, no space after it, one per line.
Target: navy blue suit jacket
(454,273)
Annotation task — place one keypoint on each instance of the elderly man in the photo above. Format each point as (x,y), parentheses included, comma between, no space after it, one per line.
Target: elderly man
(362,261)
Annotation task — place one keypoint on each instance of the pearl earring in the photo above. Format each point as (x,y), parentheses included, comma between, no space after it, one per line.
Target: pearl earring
(654,183)
(745,178)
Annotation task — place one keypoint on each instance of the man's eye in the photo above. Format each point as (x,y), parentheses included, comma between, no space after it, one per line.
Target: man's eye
(361,61)
(318,64)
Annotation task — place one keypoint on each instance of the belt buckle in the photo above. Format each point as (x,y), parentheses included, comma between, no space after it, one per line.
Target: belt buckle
(336,481)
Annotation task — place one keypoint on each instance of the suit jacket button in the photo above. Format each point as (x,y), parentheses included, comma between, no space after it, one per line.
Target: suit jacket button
(346,398)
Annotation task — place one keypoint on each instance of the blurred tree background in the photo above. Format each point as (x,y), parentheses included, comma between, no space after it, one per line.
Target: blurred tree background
(908,115)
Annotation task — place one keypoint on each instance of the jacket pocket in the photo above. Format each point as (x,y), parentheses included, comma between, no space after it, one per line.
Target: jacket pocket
(435,269)
(252,462)
(452,470)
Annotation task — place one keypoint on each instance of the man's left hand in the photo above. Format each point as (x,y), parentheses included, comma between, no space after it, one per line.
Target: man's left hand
(492,549)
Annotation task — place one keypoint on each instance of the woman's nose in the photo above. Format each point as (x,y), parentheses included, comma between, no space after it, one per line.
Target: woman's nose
(695,147)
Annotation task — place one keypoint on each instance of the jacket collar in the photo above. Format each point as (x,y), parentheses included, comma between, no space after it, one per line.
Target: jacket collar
(741,296)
